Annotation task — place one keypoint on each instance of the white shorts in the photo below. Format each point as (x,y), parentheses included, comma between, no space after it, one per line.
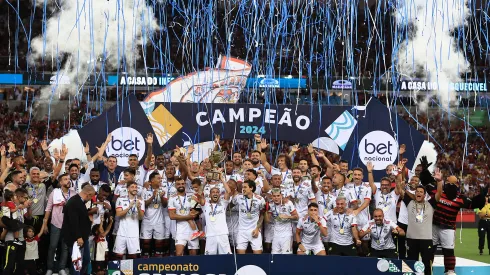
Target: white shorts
(245,237)
(217,245)
(166,227)
(152,231)
(314,248)
(127,244)
(282,245)
(185,239)
(268,232)
(444,237)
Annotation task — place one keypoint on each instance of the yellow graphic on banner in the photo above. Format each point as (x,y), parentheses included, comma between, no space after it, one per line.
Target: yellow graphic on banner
(164,124)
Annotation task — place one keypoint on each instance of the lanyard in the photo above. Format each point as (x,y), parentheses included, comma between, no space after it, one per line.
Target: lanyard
(133,210)
(385,199)
(34,190)
(66,198)
(74,185)
(182,204)
(213,212)
(297,190)
(249,210)
(169,186)
(343,221)
(155,199)
(285,175)
(358,192)
(324,200)
(275,210)
(111,177)
(379,232)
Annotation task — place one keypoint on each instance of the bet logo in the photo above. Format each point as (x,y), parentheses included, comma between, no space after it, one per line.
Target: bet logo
(124,142)
(378,147)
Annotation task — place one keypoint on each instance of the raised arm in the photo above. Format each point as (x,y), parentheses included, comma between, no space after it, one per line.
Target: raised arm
(263,157)
(328,164)
(438,178)
(311,151)
(370,168)
(149,150)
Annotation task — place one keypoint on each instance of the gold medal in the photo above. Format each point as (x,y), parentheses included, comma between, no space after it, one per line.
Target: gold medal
(182,211)
(385,209)
(341,231)
(296,200)
(156,205)
(213,219)
(35,200)
(377,241)
(419,218)
(325,211)
(249,215)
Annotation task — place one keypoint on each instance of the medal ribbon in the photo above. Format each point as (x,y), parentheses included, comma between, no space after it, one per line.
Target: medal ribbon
(66,198)
(343,221)
(249,210)
(213,212)
(297,190)
(358,192)
(182,204)
(379,233)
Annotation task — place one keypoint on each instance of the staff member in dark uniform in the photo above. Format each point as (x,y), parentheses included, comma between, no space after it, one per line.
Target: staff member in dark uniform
(77,225)
(484,225)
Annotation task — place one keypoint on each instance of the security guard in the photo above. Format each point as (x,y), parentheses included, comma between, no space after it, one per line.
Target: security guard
(484,225)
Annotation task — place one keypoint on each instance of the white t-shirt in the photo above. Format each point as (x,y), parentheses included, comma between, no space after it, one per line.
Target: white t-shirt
(310,231)
(153,215)
(207,190)
(32,252)
(381,235)
(100,213)
(249,211)
(129,224)
(302,195)
(387,203)
(122,191)
(139,177)
(215,215)
(149,172)
(282,228)
(325,202)
(362,193)
(345,192)
(341,228)
(182,206)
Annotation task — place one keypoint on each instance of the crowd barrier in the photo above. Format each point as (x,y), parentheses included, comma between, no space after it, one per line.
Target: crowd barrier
(265,264)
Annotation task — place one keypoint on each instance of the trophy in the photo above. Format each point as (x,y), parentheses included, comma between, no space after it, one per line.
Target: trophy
(215,157)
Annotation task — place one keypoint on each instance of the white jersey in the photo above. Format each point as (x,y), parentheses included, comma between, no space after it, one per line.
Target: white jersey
(381,234)
(160,172)
(344,192)
(154,213)
(100,213)
(302,194)
(139,177)
(182,206)
(129,224)
(310,231)
(341,228)
(249,211)
(122,191)
(326,202)
(235,176)
(387,203)
(259,184)
(362,193)
(232,218)
(215,215)
(282,228)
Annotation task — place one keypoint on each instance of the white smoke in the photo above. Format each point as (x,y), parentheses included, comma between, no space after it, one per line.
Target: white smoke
(91,36)
(432,49)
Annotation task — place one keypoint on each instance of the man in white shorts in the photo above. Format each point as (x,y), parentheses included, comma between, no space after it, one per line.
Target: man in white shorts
(250,207)
(129,210)
(180,210)
(281,212)
(152,226)
(343,230)
(326,203)
(214,211)
(308,232)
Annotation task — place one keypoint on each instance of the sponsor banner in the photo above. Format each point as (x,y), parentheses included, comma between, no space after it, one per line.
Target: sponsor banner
(282,83)
(126,80)
(264,264)
(423,85)
(359,135)
(129,126)
(11,78)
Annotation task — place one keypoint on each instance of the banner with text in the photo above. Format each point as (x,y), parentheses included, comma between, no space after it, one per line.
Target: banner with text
(264,264)
(359,135)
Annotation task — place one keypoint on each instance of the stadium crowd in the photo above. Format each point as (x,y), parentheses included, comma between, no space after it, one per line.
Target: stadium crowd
(251,202)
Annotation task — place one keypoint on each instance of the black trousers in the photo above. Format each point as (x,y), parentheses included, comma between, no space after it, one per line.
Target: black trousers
(342,250)
(483,228)
(424,249)
(400,242)
(386,253)
(14,259)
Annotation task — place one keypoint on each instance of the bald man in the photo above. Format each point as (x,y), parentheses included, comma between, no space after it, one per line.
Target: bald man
(77,225)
